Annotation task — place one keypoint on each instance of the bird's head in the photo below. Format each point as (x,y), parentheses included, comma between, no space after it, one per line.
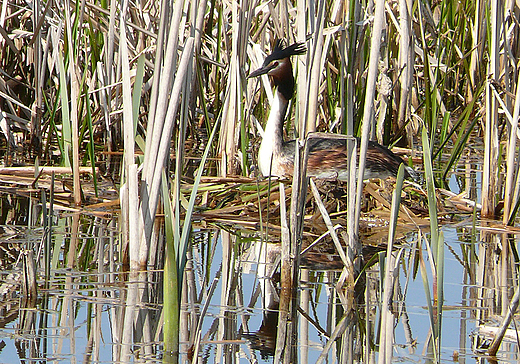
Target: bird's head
(278,59)
(278,64)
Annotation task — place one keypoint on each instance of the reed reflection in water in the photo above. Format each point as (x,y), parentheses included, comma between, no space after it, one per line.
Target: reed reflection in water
(77,312)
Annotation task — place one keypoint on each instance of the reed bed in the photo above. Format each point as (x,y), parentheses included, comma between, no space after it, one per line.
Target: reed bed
(147,105)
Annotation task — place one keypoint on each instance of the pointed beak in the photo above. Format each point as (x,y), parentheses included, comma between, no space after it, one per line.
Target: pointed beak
(261,71)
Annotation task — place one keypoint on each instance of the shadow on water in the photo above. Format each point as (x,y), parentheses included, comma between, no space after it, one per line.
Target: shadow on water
(64,293)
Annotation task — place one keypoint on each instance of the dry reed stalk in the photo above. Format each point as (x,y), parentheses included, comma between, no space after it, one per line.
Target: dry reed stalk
(490,168)
(38,18)
(303,341)
(346,258)
(111,43)
(284,340)
(406,64)
(130,168)
(301,64)
(133,209)
(345,81)
(159,56)
(291,254)
(74,113)
(159,99)
(381,103)
(29,284)
(477,33)
(157,159)
(128,120)
(368,112)
(231,114)
(511,168)
(308,123)
(352,217)
(103,100)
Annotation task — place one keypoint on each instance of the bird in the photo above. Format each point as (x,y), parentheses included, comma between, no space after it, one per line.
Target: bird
(327,157)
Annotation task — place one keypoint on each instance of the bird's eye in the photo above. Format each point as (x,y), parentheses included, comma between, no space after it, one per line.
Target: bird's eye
(275,64)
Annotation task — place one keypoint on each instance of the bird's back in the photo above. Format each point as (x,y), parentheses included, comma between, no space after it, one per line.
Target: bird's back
(328,159)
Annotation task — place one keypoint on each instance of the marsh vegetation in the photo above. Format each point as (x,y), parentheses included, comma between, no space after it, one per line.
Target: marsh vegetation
(135,222)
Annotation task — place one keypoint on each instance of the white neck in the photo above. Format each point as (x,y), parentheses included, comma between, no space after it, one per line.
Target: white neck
(273,136)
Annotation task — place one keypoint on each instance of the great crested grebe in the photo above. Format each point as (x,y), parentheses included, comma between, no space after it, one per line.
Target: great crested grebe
(327,156)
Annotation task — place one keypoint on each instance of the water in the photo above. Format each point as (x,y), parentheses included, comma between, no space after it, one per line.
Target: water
(78,313)
(461,310)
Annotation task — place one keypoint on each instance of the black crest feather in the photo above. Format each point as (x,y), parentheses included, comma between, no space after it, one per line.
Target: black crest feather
(279,52)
